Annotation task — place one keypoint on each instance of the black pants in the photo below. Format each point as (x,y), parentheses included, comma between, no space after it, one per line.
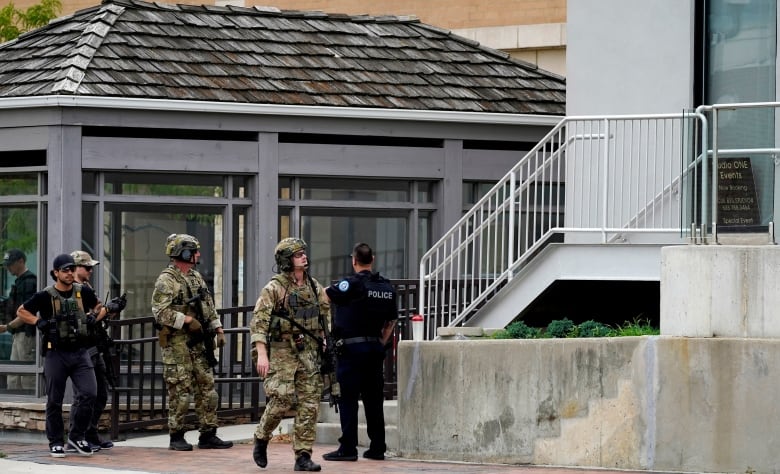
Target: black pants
(360,376)
(57,367)
(101,398)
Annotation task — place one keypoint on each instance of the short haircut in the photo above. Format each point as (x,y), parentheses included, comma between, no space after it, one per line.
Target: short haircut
(363,254)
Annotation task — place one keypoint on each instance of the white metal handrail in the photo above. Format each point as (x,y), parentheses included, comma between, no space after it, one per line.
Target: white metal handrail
(715,111)
(609,175)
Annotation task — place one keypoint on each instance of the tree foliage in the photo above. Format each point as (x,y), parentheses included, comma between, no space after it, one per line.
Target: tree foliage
(14,21)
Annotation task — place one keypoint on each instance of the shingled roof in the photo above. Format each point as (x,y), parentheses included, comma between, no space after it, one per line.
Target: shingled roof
(134,49)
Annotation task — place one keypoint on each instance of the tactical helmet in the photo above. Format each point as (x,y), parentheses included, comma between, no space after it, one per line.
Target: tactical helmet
(181,246)
(285,250)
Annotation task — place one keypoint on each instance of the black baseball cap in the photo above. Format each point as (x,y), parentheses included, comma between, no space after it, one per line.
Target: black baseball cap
(61,261)
(12,256)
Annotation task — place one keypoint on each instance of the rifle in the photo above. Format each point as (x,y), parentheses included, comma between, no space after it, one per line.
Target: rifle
(330,353)
(329,364)
(207,334)
(105,343)
(106,348)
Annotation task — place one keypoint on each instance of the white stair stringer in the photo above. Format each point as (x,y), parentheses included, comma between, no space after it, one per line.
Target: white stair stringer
(617,262)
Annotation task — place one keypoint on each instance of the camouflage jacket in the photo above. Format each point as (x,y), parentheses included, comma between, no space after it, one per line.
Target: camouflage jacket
(172,289)
(300,302)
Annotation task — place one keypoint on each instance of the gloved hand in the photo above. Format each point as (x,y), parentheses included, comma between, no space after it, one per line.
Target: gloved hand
(42,324)
(116,304)
(91,319)
(194,326)
(220,340)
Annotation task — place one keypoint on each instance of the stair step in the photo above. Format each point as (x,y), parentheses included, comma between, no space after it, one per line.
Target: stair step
(329,425)
(328,413)
(329,433)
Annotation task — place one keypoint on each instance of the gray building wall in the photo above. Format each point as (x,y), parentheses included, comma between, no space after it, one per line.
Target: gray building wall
(629,56)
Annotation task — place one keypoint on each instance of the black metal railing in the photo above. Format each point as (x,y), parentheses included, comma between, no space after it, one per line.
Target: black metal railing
(139,400)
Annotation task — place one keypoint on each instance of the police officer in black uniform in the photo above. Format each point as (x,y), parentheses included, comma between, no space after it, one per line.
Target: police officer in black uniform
(65,310)
(366,310)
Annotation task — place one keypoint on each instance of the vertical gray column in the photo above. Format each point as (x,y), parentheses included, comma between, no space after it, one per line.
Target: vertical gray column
(451,202)
(266,204)
(63,219)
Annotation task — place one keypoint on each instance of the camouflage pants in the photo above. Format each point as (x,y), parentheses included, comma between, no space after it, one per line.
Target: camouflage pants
(292,374)
(186,373)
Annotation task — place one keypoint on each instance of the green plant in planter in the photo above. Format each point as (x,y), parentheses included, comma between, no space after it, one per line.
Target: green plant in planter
(560,328)
(637,327)
(593,328)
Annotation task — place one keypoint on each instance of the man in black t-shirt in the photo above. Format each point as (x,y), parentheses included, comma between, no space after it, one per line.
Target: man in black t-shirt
(63,312)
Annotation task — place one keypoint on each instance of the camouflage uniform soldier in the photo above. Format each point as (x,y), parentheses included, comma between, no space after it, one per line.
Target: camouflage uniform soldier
(186,369)
(287,357)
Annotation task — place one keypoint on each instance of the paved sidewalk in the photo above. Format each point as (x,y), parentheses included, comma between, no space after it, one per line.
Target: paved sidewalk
(150,455)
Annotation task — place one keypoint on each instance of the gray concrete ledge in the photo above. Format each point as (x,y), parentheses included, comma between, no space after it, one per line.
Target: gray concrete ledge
(656,403)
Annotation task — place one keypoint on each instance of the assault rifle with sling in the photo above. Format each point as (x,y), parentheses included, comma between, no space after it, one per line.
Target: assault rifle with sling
(104,342)
(207,334)
(328,349)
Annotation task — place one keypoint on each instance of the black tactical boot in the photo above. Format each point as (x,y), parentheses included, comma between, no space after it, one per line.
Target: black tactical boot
(304,463)
(260,452)
(209,440)
(178,443)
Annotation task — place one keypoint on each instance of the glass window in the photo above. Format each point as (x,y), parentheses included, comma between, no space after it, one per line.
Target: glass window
(424,233)
(89,182)
(331,238)
(241,186)
(19,184)
(473,191)
(19,279)
(425,191)
(332,215)
(285,188)
(741,66)
(164,184)
(355,189)
(134,249)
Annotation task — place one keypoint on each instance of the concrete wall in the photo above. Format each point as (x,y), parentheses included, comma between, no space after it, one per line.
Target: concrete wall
(656,403)
(720,290)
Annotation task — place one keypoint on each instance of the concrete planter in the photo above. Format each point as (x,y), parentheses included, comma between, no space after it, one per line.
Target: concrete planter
(656,403)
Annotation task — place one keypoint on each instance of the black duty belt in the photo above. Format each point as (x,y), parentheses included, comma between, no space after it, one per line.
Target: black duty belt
(358,340)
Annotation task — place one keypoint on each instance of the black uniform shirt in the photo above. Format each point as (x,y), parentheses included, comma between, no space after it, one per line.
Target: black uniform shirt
(364,303)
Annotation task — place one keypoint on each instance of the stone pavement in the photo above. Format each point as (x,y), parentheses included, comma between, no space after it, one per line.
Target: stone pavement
(150,455)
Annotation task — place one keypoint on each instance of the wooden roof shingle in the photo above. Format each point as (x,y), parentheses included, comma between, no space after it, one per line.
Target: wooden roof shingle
(135,49)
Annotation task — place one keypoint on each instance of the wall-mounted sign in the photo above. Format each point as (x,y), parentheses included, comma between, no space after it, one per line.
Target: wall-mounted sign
(737,197)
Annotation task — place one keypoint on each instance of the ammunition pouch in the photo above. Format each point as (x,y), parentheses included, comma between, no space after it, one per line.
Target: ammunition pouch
(164,336)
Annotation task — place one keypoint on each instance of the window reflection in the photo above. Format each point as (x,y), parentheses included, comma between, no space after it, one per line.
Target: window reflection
(162,184)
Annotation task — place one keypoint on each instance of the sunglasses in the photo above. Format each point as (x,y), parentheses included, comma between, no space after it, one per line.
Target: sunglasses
(67,269)
(87,268)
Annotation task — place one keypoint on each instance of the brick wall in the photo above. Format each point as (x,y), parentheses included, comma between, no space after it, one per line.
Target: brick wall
(451,14)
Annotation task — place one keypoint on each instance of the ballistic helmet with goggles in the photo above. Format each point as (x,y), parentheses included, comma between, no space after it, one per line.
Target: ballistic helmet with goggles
(285,250)
(181,246)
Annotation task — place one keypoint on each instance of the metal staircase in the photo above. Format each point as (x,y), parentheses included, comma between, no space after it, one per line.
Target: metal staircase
(592,183)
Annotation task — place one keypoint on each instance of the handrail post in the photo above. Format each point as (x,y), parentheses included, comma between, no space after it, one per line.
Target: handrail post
(705,182)
(511,237)
(604,187)
(714,175)
(421,292)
